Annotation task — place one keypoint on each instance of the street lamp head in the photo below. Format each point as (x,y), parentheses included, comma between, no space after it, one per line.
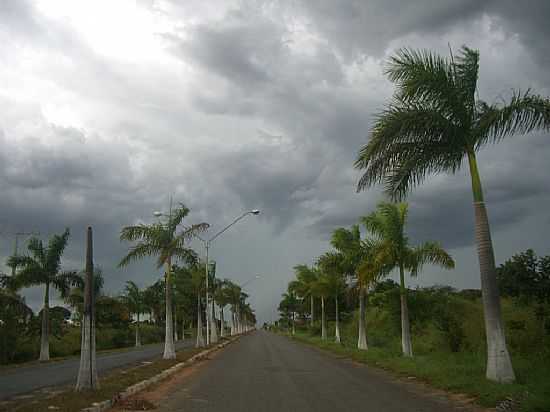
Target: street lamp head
(157,214)
(255,211)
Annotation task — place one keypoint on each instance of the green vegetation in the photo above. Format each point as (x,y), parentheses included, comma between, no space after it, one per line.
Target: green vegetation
(447,330)
(434,122)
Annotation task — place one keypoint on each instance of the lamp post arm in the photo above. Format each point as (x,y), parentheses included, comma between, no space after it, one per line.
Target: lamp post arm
(229,225)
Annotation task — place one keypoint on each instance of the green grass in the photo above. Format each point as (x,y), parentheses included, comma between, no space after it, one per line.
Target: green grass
(462,372)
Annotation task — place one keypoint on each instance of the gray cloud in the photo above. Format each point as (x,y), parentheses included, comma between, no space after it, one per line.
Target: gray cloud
(251,104)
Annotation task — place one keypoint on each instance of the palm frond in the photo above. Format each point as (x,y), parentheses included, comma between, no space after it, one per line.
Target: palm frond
(139,251)
(466,69)
(524,113)
(36,247)
(142,232)
(64,281)
(428,252)
(56,247)
(186,255)
(177,217)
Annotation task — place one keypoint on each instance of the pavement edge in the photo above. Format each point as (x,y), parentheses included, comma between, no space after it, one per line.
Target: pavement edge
(137,387)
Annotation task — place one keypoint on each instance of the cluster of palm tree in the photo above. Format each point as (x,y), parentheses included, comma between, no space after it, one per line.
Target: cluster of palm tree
(169,240)
(178,297)
(356,263)
(434,122)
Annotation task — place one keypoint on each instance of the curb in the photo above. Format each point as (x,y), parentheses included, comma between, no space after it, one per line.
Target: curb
(131,390)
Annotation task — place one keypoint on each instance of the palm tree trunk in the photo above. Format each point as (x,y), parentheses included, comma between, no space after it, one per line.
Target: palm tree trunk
(312,309)
(405,323)
(499,365)
(45,335)
(222,328)
(169,349)
(138,338)
(233,330)
(323,319)
(200,339)
(213,325)
(337,320)
(293,324)
(362,339)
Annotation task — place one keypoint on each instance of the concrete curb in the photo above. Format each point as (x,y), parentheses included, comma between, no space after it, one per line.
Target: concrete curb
(131,390)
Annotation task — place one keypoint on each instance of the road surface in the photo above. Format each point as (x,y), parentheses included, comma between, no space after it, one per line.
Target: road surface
(270,373)
(23,379)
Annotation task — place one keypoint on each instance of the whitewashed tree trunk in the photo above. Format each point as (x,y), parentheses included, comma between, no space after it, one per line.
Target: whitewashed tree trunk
(169,348)
(337,320)
(233,325)
(293,324)
(138,337)
(213,326)
(323,320)
(200,338)
(222,326)
(362,339)
(406,342)
(45,335)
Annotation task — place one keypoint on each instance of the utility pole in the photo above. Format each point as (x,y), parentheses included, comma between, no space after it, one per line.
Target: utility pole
(87,374)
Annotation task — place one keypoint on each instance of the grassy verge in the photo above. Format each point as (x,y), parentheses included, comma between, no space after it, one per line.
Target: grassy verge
(111,384)
(456,372)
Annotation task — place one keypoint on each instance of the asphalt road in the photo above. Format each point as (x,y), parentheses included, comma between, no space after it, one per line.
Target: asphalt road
(266,372)
(24,379)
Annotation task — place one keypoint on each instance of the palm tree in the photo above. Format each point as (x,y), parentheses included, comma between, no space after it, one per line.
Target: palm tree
(331,265)
(164,240)
(304,285)
(75,295)
(43,267)
(349,247)
(133,297)
(433,124)
(222,298)
(390,248)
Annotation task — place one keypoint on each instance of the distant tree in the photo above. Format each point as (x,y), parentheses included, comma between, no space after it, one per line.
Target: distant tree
(133,298)
(525,277)
(304,286)
(15,317)
(43,267)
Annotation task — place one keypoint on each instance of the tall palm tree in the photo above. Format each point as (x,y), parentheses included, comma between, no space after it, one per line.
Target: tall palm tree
(331,265)
(322,289)
(164,240)
(222,298)
(133,298)
(304,286)
(43,267)
(351,251)
(436,121)
(390,248)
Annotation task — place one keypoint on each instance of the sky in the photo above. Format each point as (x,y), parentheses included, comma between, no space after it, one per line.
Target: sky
(108,108)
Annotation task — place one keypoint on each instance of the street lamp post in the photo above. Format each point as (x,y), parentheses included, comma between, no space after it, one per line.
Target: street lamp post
(206,243)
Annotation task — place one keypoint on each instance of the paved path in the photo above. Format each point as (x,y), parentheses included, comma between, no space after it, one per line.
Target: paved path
(23,379)
(266,372)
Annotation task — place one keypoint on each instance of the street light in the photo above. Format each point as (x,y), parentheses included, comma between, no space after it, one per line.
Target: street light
(206,243)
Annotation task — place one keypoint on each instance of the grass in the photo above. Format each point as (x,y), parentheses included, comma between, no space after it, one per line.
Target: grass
(461,372)
(111,384)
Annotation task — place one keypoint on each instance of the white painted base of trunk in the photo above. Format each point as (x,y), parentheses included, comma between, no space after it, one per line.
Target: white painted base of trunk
(87,373)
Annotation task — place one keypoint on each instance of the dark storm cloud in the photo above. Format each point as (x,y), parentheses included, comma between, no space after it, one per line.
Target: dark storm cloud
(258,104)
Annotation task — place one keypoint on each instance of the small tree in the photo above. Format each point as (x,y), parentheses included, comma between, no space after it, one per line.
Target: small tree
(133,298)
(43,267)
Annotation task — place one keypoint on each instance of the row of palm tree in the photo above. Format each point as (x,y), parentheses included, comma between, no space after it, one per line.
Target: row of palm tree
(356,263)
(173,296)
(434,122)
